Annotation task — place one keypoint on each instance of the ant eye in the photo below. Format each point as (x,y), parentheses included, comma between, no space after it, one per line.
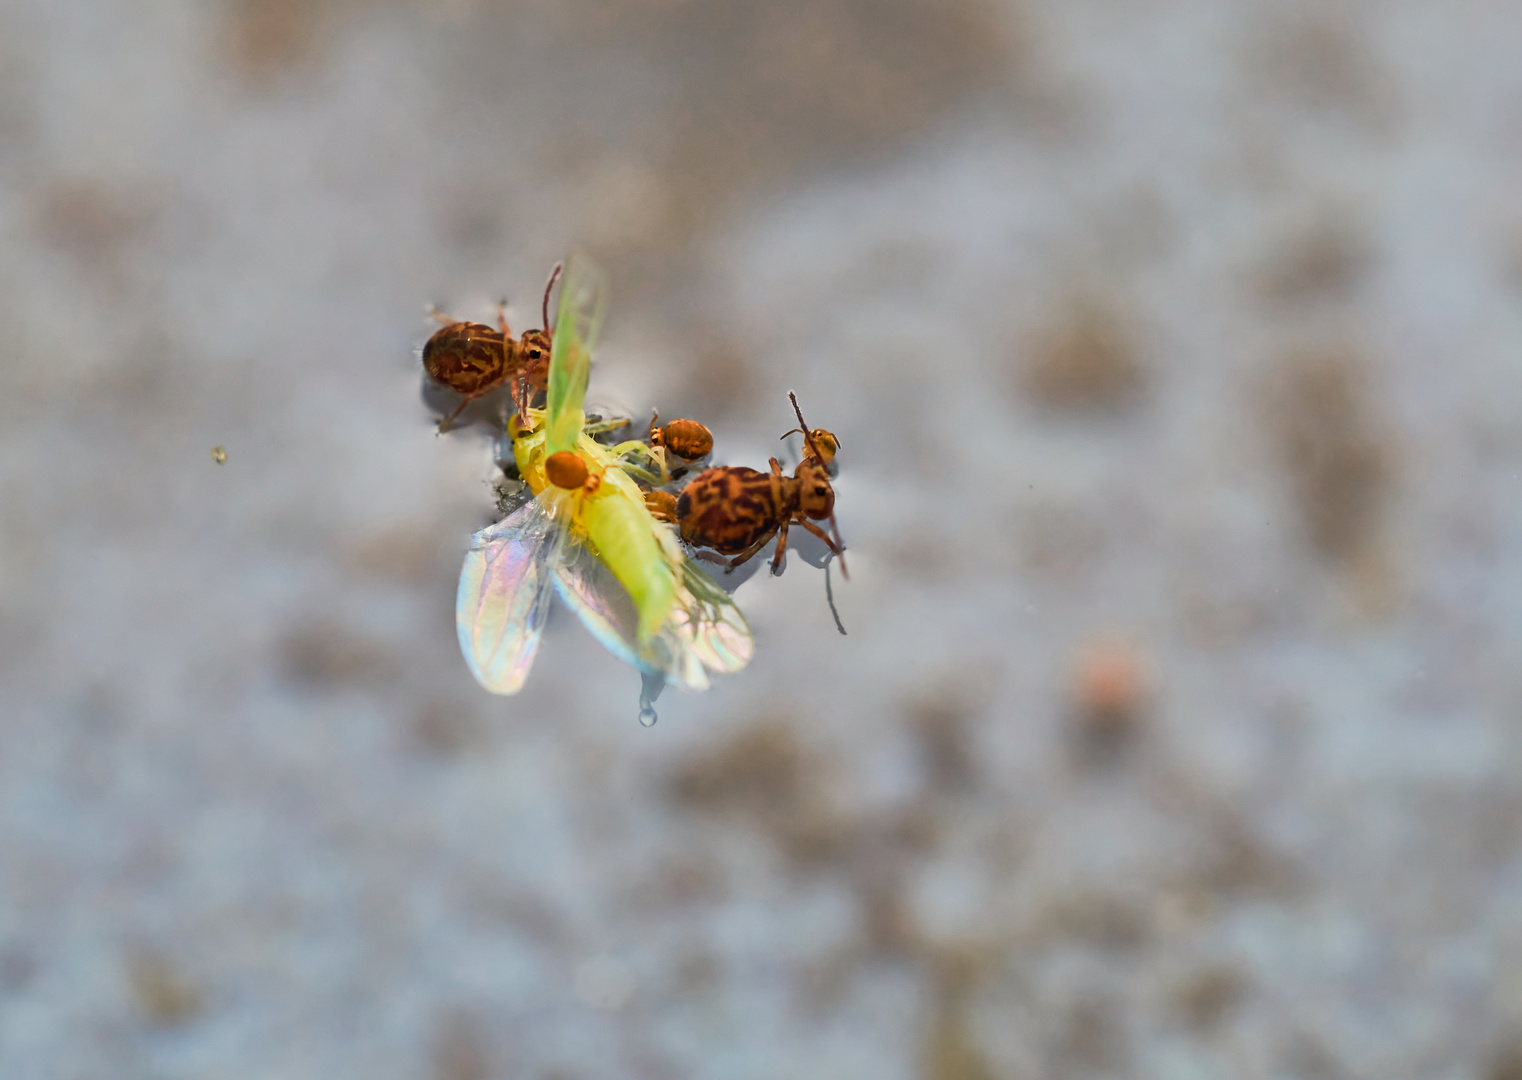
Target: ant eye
(819,491)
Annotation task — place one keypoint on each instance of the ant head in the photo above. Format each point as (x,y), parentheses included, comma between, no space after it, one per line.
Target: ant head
(548,285)
(818,445)
(534,354)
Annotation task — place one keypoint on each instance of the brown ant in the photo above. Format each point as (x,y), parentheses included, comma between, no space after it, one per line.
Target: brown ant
(735,510)
(472,359)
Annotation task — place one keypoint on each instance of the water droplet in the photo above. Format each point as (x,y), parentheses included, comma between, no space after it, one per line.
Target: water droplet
(650,689)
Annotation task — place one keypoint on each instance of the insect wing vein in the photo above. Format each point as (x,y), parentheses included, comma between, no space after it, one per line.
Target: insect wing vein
(504,596)
(711,621)
(608,612)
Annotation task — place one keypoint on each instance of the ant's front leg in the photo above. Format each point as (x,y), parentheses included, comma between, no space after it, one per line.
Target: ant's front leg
(502,319)
(521,397)
(781,548)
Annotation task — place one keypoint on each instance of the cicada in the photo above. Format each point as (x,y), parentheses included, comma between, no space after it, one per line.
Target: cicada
(587,535)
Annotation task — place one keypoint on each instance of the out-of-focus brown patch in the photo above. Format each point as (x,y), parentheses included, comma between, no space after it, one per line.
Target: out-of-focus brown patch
(718,376)
(89,220)
(1506,1060)
(1089,1037)
(1323,62)
(1307,1057)
(1325,260)
(888,923)
(325,653)
(763,776)
(1086,358)
(1206,996)
(409,555)
(952,1051)
(1103,919)
(764,90)
(940,726)
(162,992)
(939,717)
(267,37)
(444,727)
(805,76)
(459,1048)
(760,768)
(692,879)
(1235,861)
(1320,408)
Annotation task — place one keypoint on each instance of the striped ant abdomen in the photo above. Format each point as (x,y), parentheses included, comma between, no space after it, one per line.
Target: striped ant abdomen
(728,509)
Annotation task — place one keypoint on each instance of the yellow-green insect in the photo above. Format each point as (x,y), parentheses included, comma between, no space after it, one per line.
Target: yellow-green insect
(588,534)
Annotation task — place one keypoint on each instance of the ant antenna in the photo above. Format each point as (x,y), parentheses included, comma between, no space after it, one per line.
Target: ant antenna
(808,438)
(548,285)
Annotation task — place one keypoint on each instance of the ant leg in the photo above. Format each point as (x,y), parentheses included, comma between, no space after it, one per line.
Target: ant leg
(749,552)
(502,318)
(781,549)
(817,531)
(838,549)
(521,399)
(448,421)
(440,318)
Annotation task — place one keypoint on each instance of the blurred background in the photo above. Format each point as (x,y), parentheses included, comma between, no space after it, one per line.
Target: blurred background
(1175,349)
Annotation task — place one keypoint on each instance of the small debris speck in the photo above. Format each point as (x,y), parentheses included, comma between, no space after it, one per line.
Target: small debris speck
(219,455)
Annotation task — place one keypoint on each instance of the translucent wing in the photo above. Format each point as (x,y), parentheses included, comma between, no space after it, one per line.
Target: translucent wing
(504,595)
(607,611)
(583,300)
(706,629)
(711,622)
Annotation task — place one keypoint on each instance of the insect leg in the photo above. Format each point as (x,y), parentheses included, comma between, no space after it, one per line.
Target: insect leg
(440,318)
(781,548)
(502,319)
(749,552)
(448,421)
(522,397)
(817,531)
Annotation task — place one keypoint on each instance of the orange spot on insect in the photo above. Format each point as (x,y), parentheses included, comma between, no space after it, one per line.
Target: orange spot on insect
(566,470)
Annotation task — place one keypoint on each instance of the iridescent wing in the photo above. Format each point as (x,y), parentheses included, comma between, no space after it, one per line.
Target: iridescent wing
(705,631)
(607,611)
(583,301)
(504,595)
(711,621)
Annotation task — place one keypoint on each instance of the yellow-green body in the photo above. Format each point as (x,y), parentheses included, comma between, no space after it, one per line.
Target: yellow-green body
(611,520)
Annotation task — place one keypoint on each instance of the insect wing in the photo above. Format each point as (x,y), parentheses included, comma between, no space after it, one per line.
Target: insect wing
(710,621)
(607,611)
(583,301)
(504,596)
